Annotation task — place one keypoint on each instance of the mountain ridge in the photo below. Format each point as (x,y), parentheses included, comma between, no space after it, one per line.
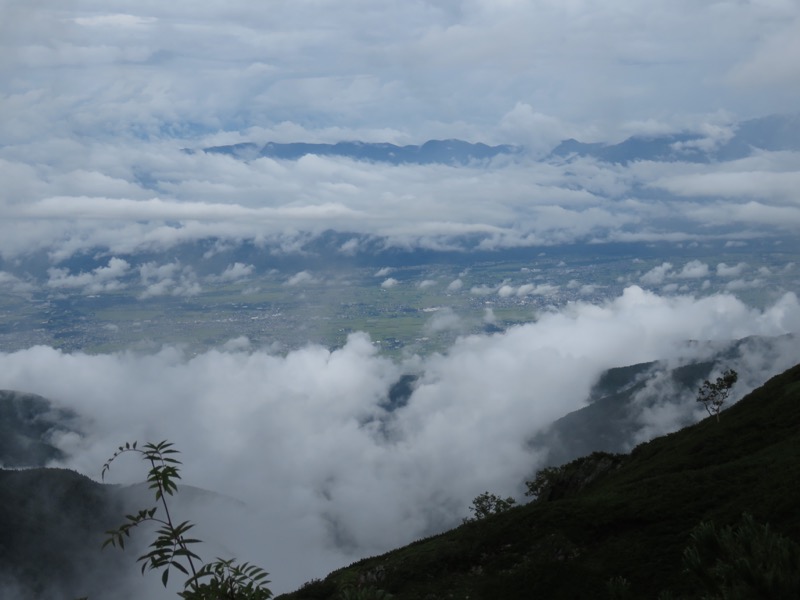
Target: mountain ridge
(631,521)
(450,151)
(773,133)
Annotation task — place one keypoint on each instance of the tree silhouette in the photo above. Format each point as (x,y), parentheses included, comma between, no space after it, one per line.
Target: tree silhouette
(713,395)
(172,548)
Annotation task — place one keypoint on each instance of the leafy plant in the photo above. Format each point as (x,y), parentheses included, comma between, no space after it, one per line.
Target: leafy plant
(713,395)
(216,580)
(487,504)
(744,561)
(619,588)
(363,593)
(543,481)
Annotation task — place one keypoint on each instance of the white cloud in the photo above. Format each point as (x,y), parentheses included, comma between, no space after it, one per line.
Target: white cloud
(482,290)
(235,272)
(736,270)
(389,283)
(694,269)
(505,291)
(92,164)
(114,20)
(656,275)
(304,438)
(455,285)
(301,278)
(101,279)
(444,319)
(171,279)
(15,284)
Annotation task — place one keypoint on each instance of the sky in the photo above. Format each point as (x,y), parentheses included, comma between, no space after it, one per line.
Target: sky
(98,105)
(99,100)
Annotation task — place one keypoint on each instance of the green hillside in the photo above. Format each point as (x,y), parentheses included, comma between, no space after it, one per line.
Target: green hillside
(634,521)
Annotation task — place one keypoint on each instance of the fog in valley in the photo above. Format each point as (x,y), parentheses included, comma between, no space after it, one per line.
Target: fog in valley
(666,131)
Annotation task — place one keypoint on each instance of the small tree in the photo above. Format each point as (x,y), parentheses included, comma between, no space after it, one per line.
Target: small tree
(543,481)
(217,580)
(713,395)
(487,504)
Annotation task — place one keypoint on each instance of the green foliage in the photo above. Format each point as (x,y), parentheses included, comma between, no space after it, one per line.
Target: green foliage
(487,504)
(216,580)
(545,479)
(352,592)
(713,395)
(570,479)
(633,519)
(225,579)
(619,588)
(744,561)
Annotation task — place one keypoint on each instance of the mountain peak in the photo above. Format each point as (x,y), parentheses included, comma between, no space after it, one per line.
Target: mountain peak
(450,151)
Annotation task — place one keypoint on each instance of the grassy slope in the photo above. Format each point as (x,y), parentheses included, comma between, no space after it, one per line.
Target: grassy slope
(633,522)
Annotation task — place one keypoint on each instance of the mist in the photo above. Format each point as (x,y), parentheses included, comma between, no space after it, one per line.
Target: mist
(328,472)
(108,192)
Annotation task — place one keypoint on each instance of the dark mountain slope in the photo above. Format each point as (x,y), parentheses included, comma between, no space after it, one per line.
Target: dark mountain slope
(51,529)
(26,423)
(632,522)
(772,133)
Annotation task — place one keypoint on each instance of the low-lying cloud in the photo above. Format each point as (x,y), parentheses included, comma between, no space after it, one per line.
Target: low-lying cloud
(170,197)
(307,439)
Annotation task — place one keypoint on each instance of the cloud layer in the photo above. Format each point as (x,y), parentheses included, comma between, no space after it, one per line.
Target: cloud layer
(105,204)
(98,105)
(308,441)
(524,68)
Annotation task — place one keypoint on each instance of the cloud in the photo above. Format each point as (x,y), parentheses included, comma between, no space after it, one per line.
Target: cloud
(656,275)
(444,319)
(694,269)
(144,196)
(101,279)
(389,283)
(15,284)
(724,270)
(301,278)
(734,184)
(774,61)
(235,272)
(306,441)
(171,279)
(99,106)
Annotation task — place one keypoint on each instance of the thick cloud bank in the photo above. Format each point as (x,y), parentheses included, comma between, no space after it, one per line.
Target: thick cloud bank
(98,106)
(330,472)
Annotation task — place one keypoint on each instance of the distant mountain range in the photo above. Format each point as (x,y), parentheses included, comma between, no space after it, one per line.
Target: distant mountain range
(771,133)
(454,152)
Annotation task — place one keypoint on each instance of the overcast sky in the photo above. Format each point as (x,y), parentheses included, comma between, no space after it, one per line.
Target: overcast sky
(407,70)
(97,105)
(98,99)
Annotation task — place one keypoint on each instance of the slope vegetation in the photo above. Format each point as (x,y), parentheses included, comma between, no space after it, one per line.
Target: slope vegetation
(633,521)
